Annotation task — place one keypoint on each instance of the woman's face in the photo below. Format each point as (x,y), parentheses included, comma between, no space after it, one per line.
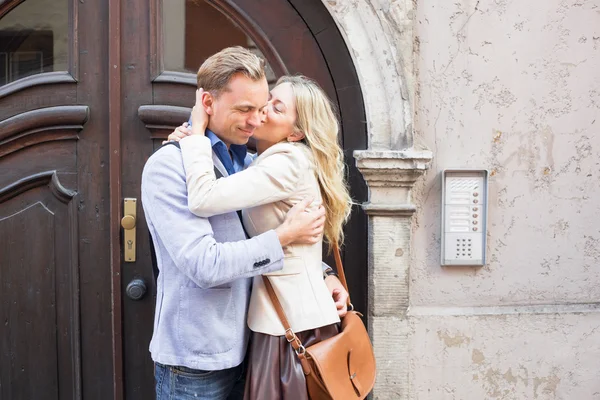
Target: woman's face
(280,116)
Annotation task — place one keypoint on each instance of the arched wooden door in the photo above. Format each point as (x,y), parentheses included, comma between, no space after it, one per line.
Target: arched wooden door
(87,91)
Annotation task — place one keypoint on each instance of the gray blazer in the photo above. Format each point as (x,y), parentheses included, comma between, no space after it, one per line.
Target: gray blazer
(205,264)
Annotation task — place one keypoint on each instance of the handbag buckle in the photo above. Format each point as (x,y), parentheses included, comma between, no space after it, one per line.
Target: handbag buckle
(300,351)
(292,335)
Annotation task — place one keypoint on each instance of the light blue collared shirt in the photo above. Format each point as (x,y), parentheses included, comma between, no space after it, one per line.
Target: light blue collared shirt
(234,163)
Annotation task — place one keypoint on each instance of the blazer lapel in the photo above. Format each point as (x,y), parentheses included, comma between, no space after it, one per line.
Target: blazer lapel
(219,165)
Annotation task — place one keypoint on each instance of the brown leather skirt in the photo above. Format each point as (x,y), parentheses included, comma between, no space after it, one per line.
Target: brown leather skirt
(274,371)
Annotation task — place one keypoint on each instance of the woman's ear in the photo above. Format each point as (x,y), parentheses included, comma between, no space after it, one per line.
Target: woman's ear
(296,136)
(208,102)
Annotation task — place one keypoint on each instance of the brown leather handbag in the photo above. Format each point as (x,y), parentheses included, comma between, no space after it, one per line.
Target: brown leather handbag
(338,368)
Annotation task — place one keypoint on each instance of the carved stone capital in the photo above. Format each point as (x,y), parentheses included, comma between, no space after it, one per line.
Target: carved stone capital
(390,175)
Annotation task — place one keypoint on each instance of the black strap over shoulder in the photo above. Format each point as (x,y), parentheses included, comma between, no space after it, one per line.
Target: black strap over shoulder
(155,270)
(153,258)
(176,144)
(218,174)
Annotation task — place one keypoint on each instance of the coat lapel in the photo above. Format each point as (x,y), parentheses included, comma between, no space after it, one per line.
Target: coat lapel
(219,165)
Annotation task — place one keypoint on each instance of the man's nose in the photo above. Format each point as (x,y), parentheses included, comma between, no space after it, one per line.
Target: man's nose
(255,119)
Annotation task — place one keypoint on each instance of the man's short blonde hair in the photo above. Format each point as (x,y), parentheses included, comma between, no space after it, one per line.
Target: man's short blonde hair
(216,72)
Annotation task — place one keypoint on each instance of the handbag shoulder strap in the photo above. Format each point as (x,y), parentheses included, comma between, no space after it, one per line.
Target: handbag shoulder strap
(289,333)
(341,273)
(277,304)
(291,337)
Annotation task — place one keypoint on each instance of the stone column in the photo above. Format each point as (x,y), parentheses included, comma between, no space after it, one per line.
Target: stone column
(390,176)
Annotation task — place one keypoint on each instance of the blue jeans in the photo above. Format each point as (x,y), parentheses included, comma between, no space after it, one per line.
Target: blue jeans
(181,383)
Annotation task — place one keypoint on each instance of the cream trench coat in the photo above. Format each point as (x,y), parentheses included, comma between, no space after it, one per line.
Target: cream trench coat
(276,180)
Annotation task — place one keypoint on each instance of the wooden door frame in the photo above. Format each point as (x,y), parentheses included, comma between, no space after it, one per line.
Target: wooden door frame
(114,148)
(347,93)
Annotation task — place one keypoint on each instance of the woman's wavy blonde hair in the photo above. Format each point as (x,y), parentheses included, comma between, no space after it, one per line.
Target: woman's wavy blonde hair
(316,119)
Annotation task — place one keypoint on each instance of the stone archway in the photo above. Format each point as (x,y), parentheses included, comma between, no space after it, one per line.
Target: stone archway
(379,36)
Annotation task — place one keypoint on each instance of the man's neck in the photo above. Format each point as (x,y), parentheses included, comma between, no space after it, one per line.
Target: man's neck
(227,144)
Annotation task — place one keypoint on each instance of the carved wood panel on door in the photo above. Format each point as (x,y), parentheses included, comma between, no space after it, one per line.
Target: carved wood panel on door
(55,292)
(88,90)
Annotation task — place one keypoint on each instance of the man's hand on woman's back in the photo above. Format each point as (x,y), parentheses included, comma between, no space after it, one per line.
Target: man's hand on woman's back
(302,226)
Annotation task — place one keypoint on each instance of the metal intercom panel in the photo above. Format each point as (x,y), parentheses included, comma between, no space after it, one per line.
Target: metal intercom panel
(464,217)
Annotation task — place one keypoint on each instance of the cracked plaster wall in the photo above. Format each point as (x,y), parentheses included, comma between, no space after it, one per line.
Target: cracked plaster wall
(524,356)
(513,87)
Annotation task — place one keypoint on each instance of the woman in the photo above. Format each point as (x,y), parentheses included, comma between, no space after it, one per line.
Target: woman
(298,156)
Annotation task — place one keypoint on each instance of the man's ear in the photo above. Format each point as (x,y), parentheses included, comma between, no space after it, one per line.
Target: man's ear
(296,136)
(208,102)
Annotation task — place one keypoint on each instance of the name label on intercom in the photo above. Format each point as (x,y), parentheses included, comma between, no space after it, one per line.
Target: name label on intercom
(464,217)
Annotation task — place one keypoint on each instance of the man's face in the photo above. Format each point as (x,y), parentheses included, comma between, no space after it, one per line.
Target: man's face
(238,111)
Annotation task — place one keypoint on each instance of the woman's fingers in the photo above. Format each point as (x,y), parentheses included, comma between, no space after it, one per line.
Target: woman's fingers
(179,133)
(185,129)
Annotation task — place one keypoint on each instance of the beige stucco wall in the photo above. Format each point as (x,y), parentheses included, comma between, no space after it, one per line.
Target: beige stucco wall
(513,87)
(505,356)
(508,86)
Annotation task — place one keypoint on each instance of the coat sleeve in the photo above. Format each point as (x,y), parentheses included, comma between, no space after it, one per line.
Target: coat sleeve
(273,178)
(189,240)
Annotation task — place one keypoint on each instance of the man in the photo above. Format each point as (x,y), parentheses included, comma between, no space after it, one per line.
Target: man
(200,335)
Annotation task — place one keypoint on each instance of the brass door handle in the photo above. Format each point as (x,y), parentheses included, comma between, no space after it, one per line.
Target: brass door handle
(128,223)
